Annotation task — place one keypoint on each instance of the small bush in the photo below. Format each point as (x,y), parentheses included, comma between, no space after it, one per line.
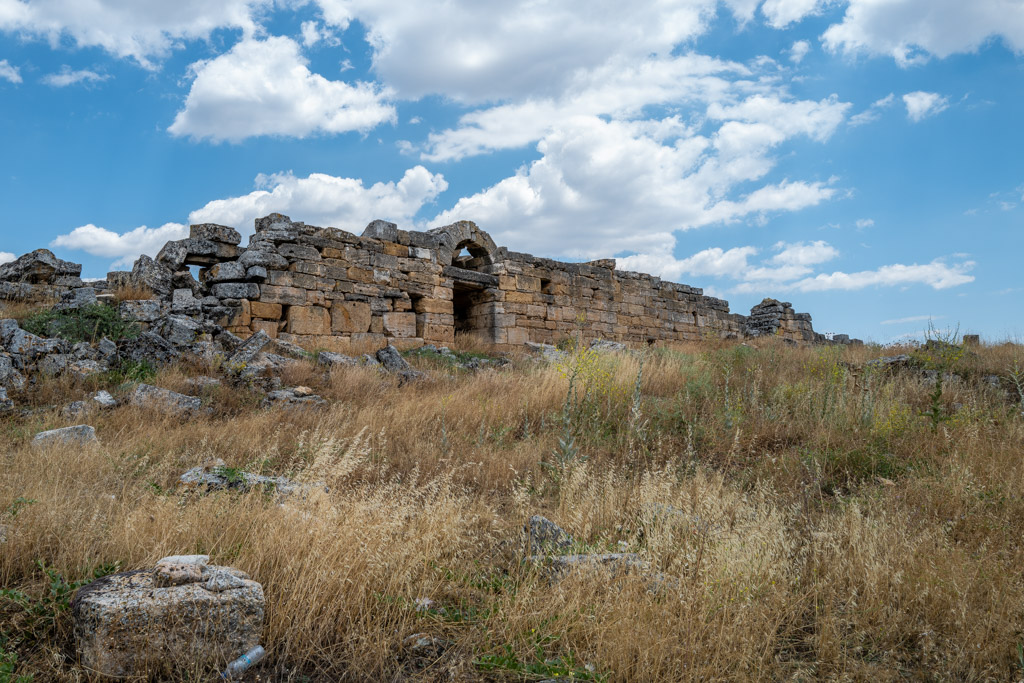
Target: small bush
(88,323)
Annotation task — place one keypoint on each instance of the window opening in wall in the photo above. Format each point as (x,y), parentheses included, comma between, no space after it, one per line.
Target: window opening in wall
(695,318)
(545,286)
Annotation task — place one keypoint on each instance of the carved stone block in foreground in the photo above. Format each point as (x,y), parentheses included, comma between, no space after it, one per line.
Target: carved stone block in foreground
(135,623)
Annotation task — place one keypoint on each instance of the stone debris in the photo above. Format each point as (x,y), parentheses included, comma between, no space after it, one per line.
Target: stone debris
(104,400)
(544,535)
(217,476)
(297,397)
(178,614)
(558,566)
(78,435)
(164,400)
(6,404)
(889,362)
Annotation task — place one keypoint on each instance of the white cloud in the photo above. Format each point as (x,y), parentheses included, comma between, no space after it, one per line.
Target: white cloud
(911,319)
(713,262)
(264,87)
(312,33)
(478,52)
(604,187)
(9,72)
(142,30)
(125,246)
(68,77)
(782,13)
(6,257)
(798,51)
(326,200)
(619,90)
(863,223)
(912,30)
(937,275)
(921,105)
(873,113)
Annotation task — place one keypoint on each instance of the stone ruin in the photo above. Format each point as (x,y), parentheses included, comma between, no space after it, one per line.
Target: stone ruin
(328,288)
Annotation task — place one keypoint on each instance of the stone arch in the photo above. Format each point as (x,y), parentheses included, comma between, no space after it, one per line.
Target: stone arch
(466,235)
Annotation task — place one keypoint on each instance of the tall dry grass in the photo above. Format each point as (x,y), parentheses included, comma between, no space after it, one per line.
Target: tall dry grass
(800,517)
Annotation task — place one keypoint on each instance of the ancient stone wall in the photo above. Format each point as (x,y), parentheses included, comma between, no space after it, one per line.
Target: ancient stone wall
(328,288)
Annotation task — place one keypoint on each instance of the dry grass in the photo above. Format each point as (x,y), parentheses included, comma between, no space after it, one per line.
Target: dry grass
(132,292)
(804,520)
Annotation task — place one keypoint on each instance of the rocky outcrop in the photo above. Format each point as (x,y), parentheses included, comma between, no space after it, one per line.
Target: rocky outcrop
(182,614)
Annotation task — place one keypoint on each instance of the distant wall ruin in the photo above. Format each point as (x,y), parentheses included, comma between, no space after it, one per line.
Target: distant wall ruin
(328,287)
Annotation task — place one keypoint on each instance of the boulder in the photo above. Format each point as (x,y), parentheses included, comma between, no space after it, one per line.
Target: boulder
(38,267)
(128,625)
(164,400)
(543,535)
(184,302)
(149,348)
(246,351)
(333,360)
(179,329)
(142,310)
(215,233)
(78,435)
(156,276)
(10,378)
(392,360)
(217,476)
(173,254)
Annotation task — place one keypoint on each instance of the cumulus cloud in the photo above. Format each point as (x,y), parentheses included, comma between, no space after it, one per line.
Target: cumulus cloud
(921,105)
(605,187)
(478,52)
(326,200)
(6,257)
(143,30)
(863,223)
(937,275)
(798,51)
(782,13)
(126,246)
(9,72)
(264,87)
(910,31)
(66,77)
(713,262)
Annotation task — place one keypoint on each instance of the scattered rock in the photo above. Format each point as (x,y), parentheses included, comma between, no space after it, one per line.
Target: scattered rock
(887,362)
(246,351)
(216,475)
(79,435)
(299,397)
(392,360)
(149,348)
(104,400)
(164,400)
(544,535)
(6,404)
(606,345)
(558,566)
(333,360)
(126,625)
(547,352)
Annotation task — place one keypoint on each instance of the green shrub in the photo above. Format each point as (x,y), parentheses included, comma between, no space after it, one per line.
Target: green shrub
(88,323)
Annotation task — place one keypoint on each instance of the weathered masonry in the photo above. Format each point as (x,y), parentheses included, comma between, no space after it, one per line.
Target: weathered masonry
(327,287)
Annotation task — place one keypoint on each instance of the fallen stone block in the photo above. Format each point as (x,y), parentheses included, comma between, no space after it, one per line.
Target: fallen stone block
(217,476)
(246,351)
(142,310)
(544,535)
(79,434)
(164,400)
(148,347)
(128,625)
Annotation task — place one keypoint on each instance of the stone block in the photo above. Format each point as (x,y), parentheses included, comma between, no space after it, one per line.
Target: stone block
(400,324)
(229,271)
(126,626)
(357,274)
(436,333)
(425,305)
(215,233)
(265,310)
(368,340)
(308,320)
(517,335)
(349,317)
(289,296)
(394,249)
(236,290)
(377,325)
(268,327)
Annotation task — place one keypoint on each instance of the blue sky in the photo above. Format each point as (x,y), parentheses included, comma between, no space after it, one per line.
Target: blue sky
(860,158)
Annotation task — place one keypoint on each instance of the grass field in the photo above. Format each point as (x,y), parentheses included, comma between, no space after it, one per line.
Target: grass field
(810,518)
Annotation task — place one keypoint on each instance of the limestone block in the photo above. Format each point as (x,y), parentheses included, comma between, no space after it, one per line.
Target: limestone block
(368,340)
(309,320)
(349,317)
(517,335)
(265,310)
(289,296)
(401,305)
(377,325)
(269,327)
(236,290)
(360,274)
(394,249)
(215,233)
(425,305)
(400,324)
(126,626)
(436,333)
(436,318)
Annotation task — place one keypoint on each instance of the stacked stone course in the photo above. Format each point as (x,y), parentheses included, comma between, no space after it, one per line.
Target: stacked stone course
(328,288)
